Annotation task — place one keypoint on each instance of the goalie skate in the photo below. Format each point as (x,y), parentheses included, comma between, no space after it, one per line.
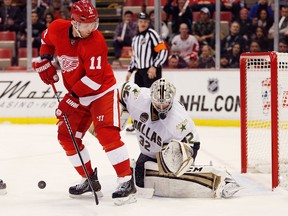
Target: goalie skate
(227,188)
(125,192)
(83,189)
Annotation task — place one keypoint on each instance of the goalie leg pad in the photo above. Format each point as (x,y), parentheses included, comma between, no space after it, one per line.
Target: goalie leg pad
(186,186)
(198,181)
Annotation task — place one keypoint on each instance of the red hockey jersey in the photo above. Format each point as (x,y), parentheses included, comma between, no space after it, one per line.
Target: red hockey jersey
(95,76)
(84,64)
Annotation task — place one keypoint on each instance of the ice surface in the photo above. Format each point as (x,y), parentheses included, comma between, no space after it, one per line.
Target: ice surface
(30,153)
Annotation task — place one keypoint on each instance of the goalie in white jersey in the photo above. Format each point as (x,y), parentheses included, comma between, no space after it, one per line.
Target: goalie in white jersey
(168,137)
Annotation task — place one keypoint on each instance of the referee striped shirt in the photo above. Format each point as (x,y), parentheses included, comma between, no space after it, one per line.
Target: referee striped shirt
(148,50)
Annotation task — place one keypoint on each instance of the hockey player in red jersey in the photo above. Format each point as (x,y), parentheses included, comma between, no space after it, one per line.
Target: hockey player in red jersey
(92,95)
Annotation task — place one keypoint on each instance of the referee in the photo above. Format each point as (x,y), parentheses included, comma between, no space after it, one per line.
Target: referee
(149,53)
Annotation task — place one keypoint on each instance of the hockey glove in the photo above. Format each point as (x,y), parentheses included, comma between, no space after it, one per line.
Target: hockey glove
(66,106)
(46,71)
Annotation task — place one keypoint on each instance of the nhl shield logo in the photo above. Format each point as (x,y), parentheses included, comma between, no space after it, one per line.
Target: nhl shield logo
(213,86)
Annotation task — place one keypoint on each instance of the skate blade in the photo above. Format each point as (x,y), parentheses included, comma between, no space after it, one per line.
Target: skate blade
(87,195)
(125,200)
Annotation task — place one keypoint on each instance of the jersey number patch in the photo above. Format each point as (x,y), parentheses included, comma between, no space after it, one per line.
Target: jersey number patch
(98,62)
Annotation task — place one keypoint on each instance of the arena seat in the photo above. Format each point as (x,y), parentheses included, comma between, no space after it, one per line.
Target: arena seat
(5,58)
(8,40)
(22,56)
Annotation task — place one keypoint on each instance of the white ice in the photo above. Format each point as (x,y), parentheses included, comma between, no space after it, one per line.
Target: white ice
(30,153)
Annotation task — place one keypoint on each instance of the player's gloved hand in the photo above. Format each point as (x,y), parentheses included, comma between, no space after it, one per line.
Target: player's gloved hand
(46,71)
(67,106)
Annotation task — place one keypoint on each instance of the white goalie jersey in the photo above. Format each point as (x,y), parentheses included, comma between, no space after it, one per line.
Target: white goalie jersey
(151,131)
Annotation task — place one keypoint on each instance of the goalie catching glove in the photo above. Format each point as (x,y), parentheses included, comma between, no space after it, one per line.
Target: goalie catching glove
(175,158)
(67,106)
(46,71)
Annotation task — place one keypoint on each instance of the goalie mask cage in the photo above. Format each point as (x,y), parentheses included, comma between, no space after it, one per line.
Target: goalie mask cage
(264,114)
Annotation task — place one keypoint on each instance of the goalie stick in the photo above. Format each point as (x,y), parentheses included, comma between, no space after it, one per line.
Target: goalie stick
(76,146)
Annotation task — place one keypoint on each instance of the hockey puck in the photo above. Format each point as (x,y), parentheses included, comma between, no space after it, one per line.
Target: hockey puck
(41,184)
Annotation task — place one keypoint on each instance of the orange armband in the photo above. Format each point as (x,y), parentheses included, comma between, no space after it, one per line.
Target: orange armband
(160,47)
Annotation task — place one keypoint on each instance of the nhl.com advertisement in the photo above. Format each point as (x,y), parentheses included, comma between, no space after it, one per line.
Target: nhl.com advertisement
(204,94)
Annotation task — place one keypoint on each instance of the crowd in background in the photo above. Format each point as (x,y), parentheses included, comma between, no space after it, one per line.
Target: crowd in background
(191,41)
(13,17)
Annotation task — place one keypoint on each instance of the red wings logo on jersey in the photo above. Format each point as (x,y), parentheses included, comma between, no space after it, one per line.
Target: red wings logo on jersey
(68,63)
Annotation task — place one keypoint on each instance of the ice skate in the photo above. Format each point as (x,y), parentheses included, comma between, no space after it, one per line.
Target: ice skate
(125,192)
(130,129)
(83,189)
(227,188)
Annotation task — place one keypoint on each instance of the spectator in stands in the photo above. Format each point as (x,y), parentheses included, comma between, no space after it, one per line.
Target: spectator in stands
(204,28)
(40,10)
(164,27)
(254,11)
(172,61)
(180,13)
(116,64)
(224,61)
(10,17)
(176,51)
(233,37)
(193,61)
(264,21)
(233,6)
(124,33)
(246,28)
(283,24)
(206,59)
(232,58)
(283,45)
(255,46)
(196,5)
(186,42)
(46,3)
(48,19)
(37,29)
(58,10)
(261,36)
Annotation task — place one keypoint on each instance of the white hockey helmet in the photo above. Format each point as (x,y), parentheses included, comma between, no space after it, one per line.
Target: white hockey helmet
(162,96)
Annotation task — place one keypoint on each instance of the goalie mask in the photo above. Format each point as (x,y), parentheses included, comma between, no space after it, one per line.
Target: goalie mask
(84,17)
(162,96)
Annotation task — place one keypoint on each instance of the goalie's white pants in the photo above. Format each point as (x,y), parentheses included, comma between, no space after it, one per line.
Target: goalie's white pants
(197,181)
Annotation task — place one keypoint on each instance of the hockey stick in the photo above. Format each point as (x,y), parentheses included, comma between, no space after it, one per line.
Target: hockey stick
(76,146)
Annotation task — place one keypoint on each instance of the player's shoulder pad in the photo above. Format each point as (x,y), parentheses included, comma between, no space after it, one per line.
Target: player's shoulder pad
(127,89)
